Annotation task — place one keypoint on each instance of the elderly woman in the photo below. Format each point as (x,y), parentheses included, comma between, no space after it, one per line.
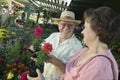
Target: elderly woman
(95,62)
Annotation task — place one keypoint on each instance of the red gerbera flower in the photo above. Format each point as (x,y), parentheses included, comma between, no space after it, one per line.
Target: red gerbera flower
(47,47)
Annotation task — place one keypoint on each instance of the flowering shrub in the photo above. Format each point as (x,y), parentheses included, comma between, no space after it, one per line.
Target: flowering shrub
(15,70)
(14,54)
(13,61)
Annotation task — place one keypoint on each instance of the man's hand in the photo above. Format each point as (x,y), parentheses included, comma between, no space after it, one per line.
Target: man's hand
(58,63)
(31,48)
(39,77)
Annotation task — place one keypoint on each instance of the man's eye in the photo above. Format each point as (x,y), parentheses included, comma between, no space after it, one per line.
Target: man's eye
(63,24)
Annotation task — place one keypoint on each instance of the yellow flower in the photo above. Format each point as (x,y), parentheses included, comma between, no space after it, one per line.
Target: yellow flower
(13,32)
(10,75)
(2,31)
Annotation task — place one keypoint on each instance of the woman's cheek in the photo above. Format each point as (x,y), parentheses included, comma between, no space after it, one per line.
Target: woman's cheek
(85,40)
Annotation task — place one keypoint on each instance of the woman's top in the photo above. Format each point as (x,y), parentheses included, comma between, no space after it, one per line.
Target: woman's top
(97,68)
(62,51)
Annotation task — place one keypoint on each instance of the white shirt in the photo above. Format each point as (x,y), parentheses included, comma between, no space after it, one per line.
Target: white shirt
(62,51)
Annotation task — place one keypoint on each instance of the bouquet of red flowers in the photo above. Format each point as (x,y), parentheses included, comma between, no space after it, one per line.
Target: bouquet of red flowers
(41,52)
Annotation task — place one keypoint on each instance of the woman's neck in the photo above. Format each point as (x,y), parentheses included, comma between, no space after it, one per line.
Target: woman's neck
(97,46)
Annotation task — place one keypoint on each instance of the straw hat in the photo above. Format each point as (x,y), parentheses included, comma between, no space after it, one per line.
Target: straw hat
(67,16)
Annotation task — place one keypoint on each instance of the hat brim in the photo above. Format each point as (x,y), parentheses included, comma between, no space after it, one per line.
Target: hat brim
(77,22)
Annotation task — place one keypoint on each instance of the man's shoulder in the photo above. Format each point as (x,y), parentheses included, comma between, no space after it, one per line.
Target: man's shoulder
(55,34)
(75,40)
(52,36)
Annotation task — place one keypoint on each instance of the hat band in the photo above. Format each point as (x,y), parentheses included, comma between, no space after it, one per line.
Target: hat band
(67,17)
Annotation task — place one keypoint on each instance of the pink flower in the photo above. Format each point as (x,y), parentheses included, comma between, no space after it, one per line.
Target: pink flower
(2,58)
(23,76)
(1,61)
(24,49)
(38,32)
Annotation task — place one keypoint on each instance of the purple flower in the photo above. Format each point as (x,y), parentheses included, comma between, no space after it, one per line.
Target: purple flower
(11,40)
(24,49)
(3,45)
(38,32)
(23,76)
(16,59)
(78,28)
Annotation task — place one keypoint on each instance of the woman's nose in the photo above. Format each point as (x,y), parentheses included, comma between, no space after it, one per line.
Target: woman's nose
(82,31)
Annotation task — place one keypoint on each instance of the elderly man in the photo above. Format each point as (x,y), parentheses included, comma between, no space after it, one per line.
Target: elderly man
(64,43)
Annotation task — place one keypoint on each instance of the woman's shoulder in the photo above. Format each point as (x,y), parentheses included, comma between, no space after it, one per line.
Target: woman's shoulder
(79,52)
(99,61)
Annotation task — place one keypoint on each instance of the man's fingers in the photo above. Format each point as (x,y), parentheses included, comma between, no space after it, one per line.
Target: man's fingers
(28,77)
(38,72)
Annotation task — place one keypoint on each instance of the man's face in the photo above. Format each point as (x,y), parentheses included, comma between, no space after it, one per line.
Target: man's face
(66,28)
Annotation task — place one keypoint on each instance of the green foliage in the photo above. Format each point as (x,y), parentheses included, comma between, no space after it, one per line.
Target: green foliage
(41,58)
(116,45)
(3,2)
